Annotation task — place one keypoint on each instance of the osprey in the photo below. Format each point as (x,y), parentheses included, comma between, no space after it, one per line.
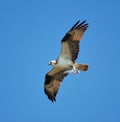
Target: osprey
(66,62)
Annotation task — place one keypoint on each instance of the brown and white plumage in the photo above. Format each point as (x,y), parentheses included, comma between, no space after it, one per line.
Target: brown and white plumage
(53,80)
(70,42)
(65,63)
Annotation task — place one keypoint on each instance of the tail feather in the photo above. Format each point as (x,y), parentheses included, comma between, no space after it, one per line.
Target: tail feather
(83,67)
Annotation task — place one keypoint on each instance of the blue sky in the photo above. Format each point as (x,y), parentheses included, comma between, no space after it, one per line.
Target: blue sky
(30,36)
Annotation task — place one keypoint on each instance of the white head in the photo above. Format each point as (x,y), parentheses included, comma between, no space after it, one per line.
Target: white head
(53,62)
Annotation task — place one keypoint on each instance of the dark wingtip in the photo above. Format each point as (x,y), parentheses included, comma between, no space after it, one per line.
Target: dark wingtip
(50,96)
(53,100)
(75,25)
(80,25)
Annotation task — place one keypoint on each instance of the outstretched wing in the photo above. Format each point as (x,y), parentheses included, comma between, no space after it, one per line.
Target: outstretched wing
(70,42)
(53,80)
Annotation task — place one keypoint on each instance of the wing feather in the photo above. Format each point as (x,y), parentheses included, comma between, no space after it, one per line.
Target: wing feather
(70,42)
(52,83)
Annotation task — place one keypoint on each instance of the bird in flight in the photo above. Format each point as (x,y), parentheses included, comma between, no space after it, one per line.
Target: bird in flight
(66,62)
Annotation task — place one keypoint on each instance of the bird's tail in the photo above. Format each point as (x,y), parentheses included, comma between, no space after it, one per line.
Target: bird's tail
(83,67)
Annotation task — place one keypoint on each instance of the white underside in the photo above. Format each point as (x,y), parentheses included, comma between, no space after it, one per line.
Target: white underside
(64,61)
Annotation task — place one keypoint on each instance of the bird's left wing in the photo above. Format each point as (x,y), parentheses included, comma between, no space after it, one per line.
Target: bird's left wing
(53,80)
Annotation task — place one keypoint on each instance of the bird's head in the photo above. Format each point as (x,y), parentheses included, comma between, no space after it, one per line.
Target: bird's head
(53,62)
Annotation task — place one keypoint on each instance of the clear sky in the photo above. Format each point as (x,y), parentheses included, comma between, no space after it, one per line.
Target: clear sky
(30,36)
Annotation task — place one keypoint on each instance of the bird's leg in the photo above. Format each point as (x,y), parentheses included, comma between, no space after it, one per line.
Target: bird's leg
(76,71)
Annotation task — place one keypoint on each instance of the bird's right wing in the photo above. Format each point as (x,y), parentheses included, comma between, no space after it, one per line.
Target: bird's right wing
(70,42)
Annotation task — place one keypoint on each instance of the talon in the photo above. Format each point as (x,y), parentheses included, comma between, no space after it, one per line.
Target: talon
(76,71)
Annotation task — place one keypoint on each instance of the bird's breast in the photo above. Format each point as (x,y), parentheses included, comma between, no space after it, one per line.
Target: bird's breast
(64,62)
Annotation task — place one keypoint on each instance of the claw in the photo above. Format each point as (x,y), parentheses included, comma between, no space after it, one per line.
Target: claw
(72,71)
(76,71)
